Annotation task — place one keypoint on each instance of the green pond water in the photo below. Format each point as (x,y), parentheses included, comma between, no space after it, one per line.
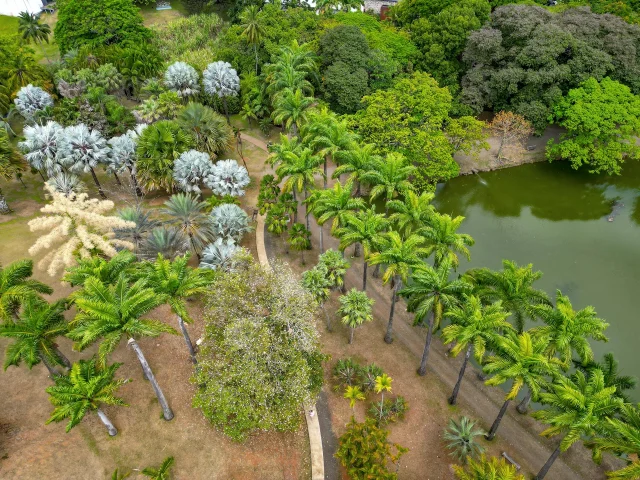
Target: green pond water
(558,219)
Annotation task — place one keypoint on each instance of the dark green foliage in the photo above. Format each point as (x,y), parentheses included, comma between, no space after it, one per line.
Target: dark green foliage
(367,377)
(345,373)
(344,87)
(214,200)
(389,411)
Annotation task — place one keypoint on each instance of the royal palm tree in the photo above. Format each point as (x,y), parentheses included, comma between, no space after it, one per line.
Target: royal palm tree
(570,330)
(16,287)
(461,438)
(336,203)
(160,473)
(356,161)
(577,408)
(363,228)
(108,271)
(522,359)
(107,313)
(299,239)
(281,151)
(389,177)
(400,256)
(315,282)
(189,215)
(355,308)
(291,109)
(35,332)
(413,212)
(87,386)
(514,286)
(252,30)
(487,469)
(175,281)
(443,240)
(429,295)
(609,366)
(473,327)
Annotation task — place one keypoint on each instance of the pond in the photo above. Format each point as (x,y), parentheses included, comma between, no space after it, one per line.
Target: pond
(581,230)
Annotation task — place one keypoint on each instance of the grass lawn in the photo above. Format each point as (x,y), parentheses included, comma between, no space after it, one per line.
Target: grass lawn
(152,16)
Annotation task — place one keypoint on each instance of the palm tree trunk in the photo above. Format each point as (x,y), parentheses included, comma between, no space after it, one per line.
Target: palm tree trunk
(294,129)
(306,208)
(118,182)
(95,179)
(422,370)
(302,256)
(356,250)
(496,423)
(62,357)
(326,157)
(107,423)
(4,206)
(295,212)
(321,238)
(52,371)
(43,179)
(376,271)
(326,315)
(454,396)
(500,147)
(135,182)
(166,410)
(187,340)
(351,336)
(226,110)
(545,469)
(524,404)
(388,338)
(364,277)
(255,50)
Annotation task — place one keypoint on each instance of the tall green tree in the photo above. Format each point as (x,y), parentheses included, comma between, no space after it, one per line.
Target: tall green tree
(299,239)
(413,213)
(87,386)
(298,171)
(389,178)
(31,30)
(315,282)
(291,109)
(16,287)
(11,163)
(356,309)
(252,28)
(609,366)
(444,241)
(356,162)
(336,203)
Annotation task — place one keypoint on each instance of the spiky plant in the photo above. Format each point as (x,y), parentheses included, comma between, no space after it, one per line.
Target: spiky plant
(107,271)
(30,100)
(16,287)
(183,79)
(84,390)
(144,224)
(191,169)
(123,154)
(189,217)
(356,309)
(487,469)
(228,178)
(222,255)
(229,221)
(67,183)
(40,147)
(336,265)
(160,473)
(221,79)
(166,241)
(209,129)
(461,439)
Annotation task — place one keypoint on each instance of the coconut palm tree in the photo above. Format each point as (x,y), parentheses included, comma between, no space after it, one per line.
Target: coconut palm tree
(413,212)
(175,281)
(577,408)
(473,327)
(443,240)
(429,295)
(16,287)
(487,469)
(356,161)
(299,239)
(570,330)
(189,216)
(389,177)
(461,438)
(514,286)
(160,473)
(363,228)
(294,65)
(107,313)
(355,308)
(221,79)
(400,256)
(87,386)
(31,30)
(315,282)
(521,358)
(252,30)
(108,271)
(209,129)
(35,332)
(609,366)
(291,109)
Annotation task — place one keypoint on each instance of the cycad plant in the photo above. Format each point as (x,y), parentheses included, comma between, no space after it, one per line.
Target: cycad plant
(299,239)
(188,215)
(356,309)
(461,439)
(315,282)
(487,469)
(163,472)
(144,224)
(85,389)
(221,79)
(108,271)
(17,287)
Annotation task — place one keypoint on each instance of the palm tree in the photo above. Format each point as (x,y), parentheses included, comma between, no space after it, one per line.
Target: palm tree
(35,332)
(473,327)
(443,241)
(609,366)
(483,469)
(383,384)
(291,109)
(461,438)
(160,473)
(175,281)
(292,67)
(300,239)
(107,313)
(11,164)
(30,29)
(389,177)
(167,241)
(521,358)
(286,147)
(413,213)
(16,287)
(209,129)
(356,162)
(336,203)
(355,308)
(189,215)
(365,228)
(144,222)
(577,407)
(252,29)
(221,79)
(400,256)
(569,330)
(429,295)
(514,286)
(353,394)
(108,271)
(315,282)
(84,390)
(336,266)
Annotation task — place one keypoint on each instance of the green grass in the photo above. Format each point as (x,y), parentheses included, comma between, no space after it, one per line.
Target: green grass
(43,52)
(151,16)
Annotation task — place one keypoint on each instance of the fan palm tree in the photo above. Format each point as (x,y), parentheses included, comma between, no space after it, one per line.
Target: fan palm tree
(356,161)
(400,256)
(315,282)
(221,79)
(461,438)
(291,109)
(160,473)
(167,241)
(356,309)
(389,177)
(487,469)
(209,129)
(514,286)
(577,407)
(144,221)
(35,332)
(189,216)
(365,228)
(175,281)
(413,212)
(299,239)
(84,390)
(522,359)
(473,327)
(443,240)
(107,313)
(609,366)
(430,294)
(16,287)
(252,30)
(108,271)
(569,330)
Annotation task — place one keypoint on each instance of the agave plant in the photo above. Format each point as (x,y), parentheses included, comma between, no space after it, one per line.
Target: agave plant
(31,100)
(229,221)
(191,169)
(221,255)
(170,242)
(461,438)
(182,78)
(67,183)
(228,178)
(40,147)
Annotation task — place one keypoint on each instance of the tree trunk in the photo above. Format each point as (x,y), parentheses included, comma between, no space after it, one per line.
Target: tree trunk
(325,171)
(388,338)
(364,277)
(302,256)
(427,346)
(294,129)
(187,340)
(226,110)
(500,147)
(255,49)
(135,182)
(356,250)
(545,469)
(107,423)
(166,410)
(4,206)
(306,208)
(327,317)
(95,179)
(65,360)
(21,181)
(523,407)
(321,238)
(295,212)
(52,371)
(496,423)
(376,271)
(454,396)
(41,175)
(351,336)
(118,182)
